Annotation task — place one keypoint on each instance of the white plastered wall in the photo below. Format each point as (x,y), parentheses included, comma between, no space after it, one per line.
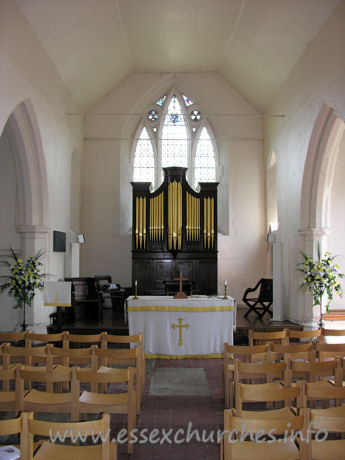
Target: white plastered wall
(316,80)
(30,86)
(107,199)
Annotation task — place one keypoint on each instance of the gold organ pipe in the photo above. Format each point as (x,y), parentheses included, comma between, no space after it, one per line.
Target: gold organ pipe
(136,222)
(150,228)
(209,222)
(198,219)
(179,215)
(212,222)
(205,223)
(158,218)
(175,214)
(170,216)
(187,215)
(144,221)
(162,216)
(140,221)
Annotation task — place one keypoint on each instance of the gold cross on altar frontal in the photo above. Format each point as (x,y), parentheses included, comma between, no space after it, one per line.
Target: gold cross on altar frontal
(180,326)
(180,294)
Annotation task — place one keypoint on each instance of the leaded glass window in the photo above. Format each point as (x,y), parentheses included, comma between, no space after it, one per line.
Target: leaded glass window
(174,137)
(205,164)
(144,166)
(175,132)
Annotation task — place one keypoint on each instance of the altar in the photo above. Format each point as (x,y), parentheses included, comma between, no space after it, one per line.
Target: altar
(181,328)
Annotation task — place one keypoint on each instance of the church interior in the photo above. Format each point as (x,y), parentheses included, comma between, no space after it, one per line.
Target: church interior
(177,168)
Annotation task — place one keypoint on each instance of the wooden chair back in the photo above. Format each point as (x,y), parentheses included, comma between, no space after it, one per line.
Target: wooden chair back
(87,339)
(328,421)
(12,337)
(266,371)
(49,450)
(72,356)
(123,402)
(9,400)
(121,357)
(234,424)
(49,401)
(258,337)
(265,392)
(131,340)
(332,333)
(311,392)
(245,354)
(304,352)
(303,335)
(330,350)
(313,371)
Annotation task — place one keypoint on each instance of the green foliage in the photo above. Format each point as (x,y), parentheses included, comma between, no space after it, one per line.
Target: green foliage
(23,279)
(320,276)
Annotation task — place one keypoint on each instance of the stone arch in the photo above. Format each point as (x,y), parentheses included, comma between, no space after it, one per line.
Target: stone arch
(25,139)
(317,182)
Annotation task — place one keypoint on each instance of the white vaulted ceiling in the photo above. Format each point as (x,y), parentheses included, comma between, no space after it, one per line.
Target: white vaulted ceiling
(254,44)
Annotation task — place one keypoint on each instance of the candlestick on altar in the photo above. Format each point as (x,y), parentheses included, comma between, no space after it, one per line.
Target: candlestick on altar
(225,289)
(135,290)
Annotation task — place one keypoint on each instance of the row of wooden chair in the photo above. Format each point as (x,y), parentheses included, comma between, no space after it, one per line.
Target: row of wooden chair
(271,352)
(48,357)
(27,427)
(67,341)
(327,372)
(295,441)
(74,401)
(287,336)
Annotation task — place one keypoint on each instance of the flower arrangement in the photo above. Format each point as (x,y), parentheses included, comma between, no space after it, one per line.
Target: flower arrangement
(321,277)
(23,280)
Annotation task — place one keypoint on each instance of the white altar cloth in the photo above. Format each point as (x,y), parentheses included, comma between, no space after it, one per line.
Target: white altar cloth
(193,327)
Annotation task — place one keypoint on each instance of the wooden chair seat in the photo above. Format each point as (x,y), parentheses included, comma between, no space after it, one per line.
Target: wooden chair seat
(41,397)
(104,402)
(49,451)
(269,414)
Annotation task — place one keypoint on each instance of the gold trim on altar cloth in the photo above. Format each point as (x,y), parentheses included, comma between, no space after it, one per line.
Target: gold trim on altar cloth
(190,309)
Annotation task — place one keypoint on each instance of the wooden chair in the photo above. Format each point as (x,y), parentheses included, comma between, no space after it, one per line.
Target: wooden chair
(327,351)
(258,338)
(312,392)
(112,403)
(314,371)
(332,333)
(9,400)
(32,339)
(47,401)
(85,340)
(14,426)
(301,352)
(299,336)
(12,337)
(251,450)
(135,339)
(333,421)
(261,300)
(266,371)
(54,451)
(72,356)
(121,357)
(266,393)
(245,354)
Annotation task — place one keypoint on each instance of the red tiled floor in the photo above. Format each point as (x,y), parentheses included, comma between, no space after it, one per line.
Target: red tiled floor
(202,413)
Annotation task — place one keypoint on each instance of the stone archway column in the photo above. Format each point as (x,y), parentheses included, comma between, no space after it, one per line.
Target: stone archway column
(33,239)
(311,237)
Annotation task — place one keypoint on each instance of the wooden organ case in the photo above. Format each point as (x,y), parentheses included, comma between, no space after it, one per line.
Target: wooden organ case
(174,229)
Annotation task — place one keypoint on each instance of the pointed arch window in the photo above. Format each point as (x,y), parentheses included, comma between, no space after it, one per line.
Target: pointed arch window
(205,164)
(144,165)
(176,129)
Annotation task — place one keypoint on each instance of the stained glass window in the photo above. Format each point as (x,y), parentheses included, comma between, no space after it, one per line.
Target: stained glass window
(172,133)
(153,115)
(205,162)
(187,101)
(174,136)
(144,165)
(161,101)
